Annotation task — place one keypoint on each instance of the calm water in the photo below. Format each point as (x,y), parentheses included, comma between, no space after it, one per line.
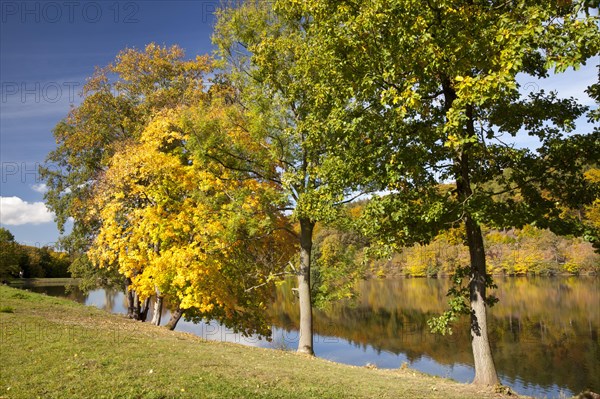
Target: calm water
(544,331)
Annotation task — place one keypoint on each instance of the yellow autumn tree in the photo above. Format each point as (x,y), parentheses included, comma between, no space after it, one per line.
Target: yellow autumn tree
(186,234)
(117,103)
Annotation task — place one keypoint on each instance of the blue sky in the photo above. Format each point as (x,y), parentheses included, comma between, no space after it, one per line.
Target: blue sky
(47,49)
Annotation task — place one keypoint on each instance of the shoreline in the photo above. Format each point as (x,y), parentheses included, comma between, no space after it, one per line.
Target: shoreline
(76,345)
(494,275)
(58,281)
(37,282)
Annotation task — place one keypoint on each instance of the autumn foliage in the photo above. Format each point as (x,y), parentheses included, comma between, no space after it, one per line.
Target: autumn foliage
(152,209)
(199,191)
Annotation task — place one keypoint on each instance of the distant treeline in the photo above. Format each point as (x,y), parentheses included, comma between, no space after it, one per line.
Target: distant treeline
(17,260)
(511,252)
(340,253)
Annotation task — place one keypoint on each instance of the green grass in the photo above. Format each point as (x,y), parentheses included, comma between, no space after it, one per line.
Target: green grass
(55,348)
(6,309)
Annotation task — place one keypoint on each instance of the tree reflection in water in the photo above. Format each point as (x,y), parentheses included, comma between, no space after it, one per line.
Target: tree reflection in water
(544,331)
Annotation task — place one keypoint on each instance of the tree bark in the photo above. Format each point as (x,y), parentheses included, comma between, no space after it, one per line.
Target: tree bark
(485,370)
(144,310)
(305,342)
(158,304)
(157,312)
(130,299)
(136,306)
(175,316)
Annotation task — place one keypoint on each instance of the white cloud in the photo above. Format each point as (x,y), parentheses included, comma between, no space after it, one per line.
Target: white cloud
(14,212)
(41,188)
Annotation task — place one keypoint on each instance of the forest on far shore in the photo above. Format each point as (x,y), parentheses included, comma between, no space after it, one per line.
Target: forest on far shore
(341,254)
(18,260)
(510,252)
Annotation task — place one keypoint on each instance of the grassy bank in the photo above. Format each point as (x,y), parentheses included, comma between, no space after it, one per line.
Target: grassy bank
(54,348)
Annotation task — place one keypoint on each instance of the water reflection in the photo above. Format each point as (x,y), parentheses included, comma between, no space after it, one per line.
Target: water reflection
(544,332)
(70,292)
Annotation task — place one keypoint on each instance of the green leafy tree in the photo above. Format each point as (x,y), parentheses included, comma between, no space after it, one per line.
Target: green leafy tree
(339,260)
(10,253)
(43,262)
(592,211)
(270,127)
(432,97)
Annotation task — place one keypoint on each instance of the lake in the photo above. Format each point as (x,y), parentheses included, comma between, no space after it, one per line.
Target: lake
(543,332)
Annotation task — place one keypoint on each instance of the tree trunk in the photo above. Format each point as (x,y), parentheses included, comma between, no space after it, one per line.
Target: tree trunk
(305,343)
(157,312)
(130,299)
(144,310)
(156,315)
(135,309)
(485,370)
(136,306)
(175,316)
